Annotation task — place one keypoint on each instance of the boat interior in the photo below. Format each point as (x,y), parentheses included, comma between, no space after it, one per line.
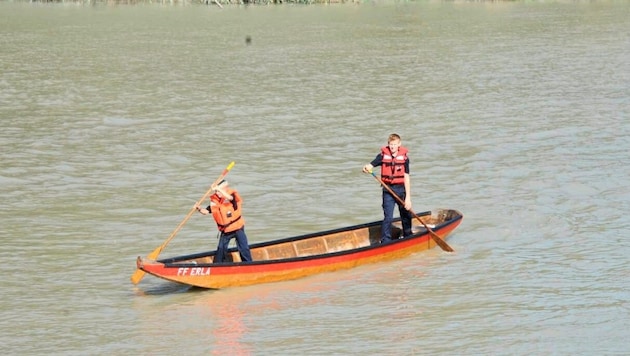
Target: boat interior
(319,244)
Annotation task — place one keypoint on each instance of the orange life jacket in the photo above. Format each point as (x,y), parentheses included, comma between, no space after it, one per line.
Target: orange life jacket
(393,168)
(227,214)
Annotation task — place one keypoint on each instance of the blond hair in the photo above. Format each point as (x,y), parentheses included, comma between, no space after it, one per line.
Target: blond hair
(393,137)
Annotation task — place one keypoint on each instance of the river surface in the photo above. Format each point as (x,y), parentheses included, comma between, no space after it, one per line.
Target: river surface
(115,120)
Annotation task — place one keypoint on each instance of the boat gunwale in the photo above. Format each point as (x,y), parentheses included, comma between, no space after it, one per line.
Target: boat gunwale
(176,262)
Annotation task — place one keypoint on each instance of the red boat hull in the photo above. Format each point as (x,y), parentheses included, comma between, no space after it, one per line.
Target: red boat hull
(193,271)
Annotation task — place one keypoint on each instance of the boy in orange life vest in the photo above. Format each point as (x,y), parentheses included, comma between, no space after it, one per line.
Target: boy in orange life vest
(225,206)
(394,164)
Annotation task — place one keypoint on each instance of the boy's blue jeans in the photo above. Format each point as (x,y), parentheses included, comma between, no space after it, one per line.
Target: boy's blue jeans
(241,243)
(389,202)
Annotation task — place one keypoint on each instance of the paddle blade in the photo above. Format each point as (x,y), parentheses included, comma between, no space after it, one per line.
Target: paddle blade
(155,253)
(138,274)
(136,277)
(438,240)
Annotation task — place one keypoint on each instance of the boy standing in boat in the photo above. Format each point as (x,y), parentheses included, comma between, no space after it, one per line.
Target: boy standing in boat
(225,206)
(394,164)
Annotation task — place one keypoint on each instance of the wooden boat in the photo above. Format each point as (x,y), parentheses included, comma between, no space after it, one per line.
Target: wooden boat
(304,255)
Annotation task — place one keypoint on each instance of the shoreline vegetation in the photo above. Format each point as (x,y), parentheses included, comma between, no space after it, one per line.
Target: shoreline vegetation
(218,3)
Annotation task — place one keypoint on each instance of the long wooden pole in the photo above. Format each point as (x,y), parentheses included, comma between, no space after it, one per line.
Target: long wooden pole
(438,240)
(138,274)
